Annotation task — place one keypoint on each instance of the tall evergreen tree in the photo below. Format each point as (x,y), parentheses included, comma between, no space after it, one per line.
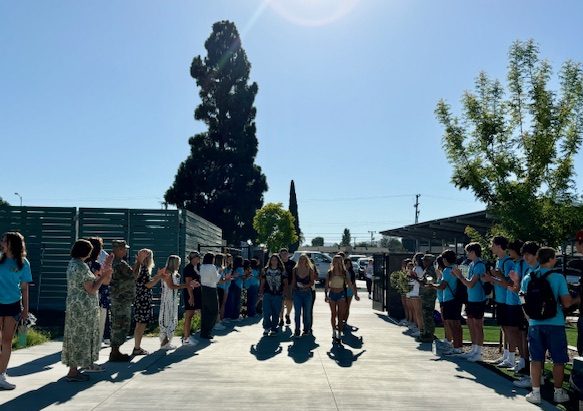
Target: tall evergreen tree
(293,209)
(346,238)
(219,180)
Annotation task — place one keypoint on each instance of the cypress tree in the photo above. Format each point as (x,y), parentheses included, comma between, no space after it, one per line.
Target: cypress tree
(293,208)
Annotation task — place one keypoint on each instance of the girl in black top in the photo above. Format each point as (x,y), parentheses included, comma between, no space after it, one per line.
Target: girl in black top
(350,291)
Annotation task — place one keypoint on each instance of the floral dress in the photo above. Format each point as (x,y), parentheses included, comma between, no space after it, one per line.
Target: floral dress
(81,340)
(168,318)
(143,301)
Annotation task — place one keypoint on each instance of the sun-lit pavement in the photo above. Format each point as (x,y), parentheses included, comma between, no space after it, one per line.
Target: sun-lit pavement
(376,368)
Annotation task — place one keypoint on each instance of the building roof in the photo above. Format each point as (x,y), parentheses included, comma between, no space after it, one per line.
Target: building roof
(449,229)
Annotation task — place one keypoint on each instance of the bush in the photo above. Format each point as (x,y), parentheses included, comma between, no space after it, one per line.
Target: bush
(33,337)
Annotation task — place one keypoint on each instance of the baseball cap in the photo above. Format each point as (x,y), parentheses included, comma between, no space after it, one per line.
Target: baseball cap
(193,254)
(119,244)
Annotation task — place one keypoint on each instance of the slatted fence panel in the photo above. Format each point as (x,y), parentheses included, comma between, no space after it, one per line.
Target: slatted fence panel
(196,231)
(49,233)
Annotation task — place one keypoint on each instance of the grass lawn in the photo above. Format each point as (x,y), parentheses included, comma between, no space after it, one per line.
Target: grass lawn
(492,334)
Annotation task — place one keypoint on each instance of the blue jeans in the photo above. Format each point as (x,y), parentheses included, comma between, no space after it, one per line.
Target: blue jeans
(303,307)
(233,306)
(252,292)
(271,309)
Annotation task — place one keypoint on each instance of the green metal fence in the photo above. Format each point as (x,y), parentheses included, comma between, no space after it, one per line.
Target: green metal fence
(51,231)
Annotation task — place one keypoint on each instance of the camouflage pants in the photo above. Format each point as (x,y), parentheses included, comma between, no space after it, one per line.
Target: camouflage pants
(428,297)
(121,318)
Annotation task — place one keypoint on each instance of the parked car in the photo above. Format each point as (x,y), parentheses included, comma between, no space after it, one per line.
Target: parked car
(354,258)
(321,260)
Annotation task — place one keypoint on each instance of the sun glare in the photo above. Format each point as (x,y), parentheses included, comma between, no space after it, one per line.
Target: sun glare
(312,12)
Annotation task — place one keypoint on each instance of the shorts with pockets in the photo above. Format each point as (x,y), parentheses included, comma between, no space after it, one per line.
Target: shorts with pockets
(551,338)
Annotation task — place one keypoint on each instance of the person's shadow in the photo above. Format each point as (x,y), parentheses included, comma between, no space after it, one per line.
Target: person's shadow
(350,339)
(342,356)
(302,349)
(266,348)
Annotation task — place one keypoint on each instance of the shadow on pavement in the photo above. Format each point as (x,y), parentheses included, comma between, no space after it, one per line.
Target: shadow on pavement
(60,392)
(302,349)
(350,339)
(342,356)
(266,348)
(38,365)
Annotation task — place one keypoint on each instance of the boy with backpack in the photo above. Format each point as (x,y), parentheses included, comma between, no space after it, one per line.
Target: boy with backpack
(544,291)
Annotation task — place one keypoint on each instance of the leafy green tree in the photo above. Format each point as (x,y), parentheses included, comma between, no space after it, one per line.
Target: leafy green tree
(514,148)
(274,226)
(346,238)
(318,242)
(392,243)
(293,208)
(219,180)
(3,203)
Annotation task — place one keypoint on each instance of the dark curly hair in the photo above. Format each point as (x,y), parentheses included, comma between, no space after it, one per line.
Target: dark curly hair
(15,242)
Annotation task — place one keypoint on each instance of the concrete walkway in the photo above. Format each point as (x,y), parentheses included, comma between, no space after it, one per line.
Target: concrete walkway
(377,368)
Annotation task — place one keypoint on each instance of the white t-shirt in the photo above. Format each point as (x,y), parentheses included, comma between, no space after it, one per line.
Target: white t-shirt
(415,291)
(209,276)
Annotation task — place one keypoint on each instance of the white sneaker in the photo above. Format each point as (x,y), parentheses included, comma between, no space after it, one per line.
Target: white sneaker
(168,347)
(505,364)
(475,358)
(455,351)
(468,354)
(187,341)
(561,396)
(5,385)
(533,397)
(526,382)
(499,360)
(219,327)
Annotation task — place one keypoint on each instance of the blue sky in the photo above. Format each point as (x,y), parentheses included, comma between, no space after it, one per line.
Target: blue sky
(96,99)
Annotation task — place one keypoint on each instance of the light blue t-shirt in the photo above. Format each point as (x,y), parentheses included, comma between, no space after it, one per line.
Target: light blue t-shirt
(238,277)
(439,292)
(451,280)
(10,279)
(253,280)
(476,293)
(558,284)
(505,265)
(520,268)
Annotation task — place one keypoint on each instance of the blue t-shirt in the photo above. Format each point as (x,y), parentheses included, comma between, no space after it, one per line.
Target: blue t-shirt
(505,265)
(451,280)
(558,284)
(476,293)
(238,277)
(520,268)
(253,280)
(439,292)
(10,279)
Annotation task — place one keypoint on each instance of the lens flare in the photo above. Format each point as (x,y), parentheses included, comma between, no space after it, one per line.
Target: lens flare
(312,12)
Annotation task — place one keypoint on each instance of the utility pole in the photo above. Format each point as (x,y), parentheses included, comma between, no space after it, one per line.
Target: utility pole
(372,233)
(416,205)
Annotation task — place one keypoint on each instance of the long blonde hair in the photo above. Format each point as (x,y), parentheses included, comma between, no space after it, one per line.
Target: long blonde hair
(337,266)
(149,260)
(307,260)
(173,264)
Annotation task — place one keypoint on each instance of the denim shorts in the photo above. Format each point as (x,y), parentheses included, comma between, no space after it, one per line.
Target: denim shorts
(552,338)
(332,296)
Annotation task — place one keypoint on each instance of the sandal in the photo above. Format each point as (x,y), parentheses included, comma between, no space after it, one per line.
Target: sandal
(77,378)
(93,368)
(139,351)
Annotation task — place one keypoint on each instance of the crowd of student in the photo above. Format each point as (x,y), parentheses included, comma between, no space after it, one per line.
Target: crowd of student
(529,295)
(102,288)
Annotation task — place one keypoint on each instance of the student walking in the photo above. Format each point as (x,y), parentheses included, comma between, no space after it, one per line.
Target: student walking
(337,281)
(271,288)
(369,273)
(15,275)
(350,291)
(287,292)
(301,284)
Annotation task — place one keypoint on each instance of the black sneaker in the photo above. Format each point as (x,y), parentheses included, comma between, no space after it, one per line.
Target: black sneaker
(265,333)
(296,333)
(281,322)
(287,320)
(308,332)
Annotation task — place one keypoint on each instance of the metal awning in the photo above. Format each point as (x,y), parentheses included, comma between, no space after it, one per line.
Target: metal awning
(449,229)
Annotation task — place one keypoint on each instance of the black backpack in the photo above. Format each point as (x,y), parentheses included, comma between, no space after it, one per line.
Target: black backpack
(460,294)
(539,300)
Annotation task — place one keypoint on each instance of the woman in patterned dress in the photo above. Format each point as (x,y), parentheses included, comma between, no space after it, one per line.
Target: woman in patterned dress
(169,300)
(143,300)
(81,339)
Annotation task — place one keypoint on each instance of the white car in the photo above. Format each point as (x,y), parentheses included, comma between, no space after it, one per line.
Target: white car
(354,258)
(322,262)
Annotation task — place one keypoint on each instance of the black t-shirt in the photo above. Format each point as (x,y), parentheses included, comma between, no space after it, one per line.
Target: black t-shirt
(289,266)
(190,273)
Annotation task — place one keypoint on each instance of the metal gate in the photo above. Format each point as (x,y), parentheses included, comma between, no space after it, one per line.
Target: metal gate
(379,282)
